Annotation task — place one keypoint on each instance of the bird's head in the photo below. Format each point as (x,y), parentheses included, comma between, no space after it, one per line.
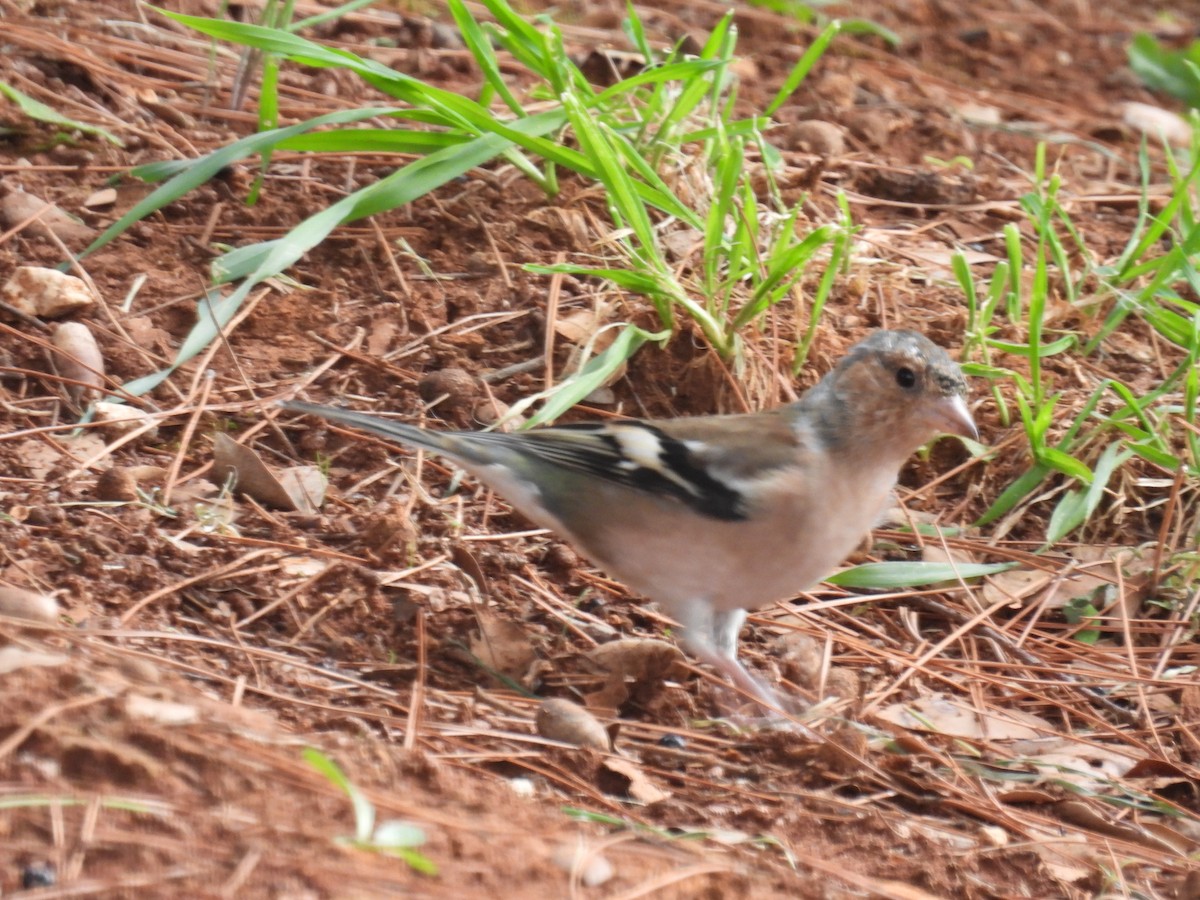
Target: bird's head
(897,390)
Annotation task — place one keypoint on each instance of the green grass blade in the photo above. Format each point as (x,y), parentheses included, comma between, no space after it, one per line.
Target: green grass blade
(677,71)
(374,140)
(485,57)
(272,257)
(200,171)
(40,112)
(1014,494)
(784,270)
(328,15)
(892,575)
(1070,513)
(800,71)
(418,178)
(592,375)
(632,26)
(628,279)
(1166,70)
(364,812)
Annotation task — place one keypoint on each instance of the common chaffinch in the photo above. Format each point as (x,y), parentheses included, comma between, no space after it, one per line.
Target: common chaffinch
(713,516)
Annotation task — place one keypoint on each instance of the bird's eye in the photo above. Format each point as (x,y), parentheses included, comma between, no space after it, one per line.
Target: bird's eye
(906,377)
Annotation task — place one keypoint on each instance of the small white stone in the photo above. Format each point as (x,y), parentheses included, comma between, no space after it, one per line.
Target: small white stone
(45,293)
(593,868)
(120,418)
(18,603)
(994,835)
(522,787)
(1157,122)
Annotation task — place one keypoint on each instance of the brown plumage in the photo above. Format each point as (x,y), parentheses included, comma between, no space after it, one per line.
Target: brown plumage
(712,516)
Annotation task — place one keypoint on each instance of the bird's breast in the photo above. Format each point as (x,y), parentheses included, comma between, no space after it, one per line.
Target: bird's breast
(798,529)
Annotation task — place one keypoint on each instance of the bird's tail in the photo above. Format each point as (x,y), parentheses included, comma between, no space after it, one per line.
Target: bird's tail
(440,442)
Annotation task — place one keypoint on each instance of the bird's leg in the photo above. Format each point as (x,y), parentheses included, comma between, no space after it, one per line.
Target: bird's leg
(712,638)
(726,626)
(725,629)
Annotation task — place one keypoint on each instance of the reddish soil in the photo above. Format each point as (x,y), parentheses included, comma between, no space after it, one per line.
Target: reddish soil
(205,641)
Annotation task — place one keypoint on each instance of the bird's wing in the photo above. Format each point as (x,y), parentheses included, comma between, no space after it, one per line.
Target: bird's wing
(697,461)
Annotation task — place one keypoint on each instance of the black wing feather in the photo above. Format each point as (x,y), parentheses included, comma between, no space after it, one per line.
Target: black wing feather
(592,448)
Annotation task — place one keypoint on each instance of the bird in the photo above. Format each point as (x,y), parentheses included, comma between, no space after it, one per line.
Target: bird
(714,516)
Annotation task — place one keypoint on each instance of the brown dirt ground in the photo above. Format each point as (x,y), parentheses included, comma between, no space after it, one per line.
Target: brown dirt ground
(157,750)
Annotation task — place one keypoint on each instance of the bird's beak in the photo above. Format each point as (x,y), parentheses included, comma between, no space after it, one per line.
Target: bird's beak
(952,417)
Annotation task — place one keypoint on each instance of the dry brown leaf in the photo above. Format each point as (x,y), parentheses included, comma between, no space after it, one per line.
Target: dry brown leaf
(306,485)
(1067,857)
(1087,569)
(503,645)
(1061,759)
(150,475)
(253,478)
(626,779)
(632,664)
(899,890)
(588,330)
(490,412)
(18,207)
(1165,835)
(1152,769)
(569,226)
(943,715)
(611,696)
(642,659)
(465,560)
(1020,585)
(681,243)
(814,136)
(194,491)
(37,457)
(76,448)
(581,325)
(1029,795)
(942,258)
(1014,585)
(995,835)
(302,566)
(1084,814)
(78,358)
(242,717)
(28,572)
(100,754)
(933,552)
(978,113)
